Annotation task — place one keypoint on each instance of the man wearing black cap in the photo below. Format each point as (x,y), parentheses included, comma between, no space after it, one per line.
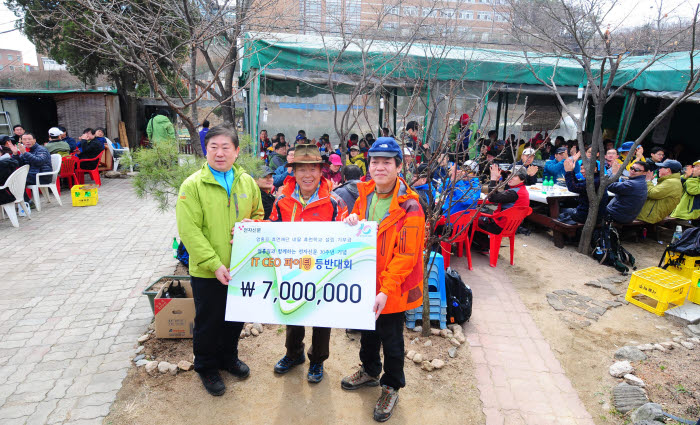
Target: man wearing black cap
(554,168)
(278,157)
(663,198)
(263,177)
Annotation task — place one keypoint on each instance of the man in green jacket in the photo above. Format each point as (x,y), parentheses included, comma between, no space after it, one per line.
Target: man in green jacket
(160,128)
(210,202)
(664,197)
(689,207)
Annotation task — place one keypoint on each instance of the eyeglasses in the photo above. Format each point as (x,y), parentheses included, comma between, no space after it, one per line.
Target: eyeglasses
(637,170)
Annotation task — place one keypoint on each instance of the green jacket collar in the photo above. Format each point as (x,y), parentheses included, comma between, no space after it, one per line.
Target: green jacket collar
(208,177)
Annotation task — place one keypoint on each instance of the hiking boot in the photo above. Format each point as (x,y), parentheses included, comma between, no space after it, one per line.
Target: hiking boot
(315,374)
(239,369)
(359,379)
(386,403)
(287,363)
(213,383)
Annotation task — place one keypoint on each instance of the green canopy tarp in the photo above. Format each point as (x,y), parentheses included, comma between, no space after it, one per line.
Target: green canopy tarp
(397,60)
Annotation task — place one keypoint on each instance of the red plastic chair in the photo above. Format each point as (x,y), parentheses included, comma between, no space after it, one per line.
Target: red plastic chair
(68,164)
(461,236)
(95,174)
(511,219)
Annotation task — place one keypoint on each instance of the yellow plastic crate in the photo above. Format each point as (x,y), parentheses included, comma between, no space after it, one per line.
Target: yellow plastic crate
(694,291)
(686,267)
(84,195)
(655,289)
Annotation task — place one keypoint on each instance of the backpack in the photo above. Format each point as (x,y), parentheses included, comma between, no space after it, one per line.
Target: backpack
(459,298)
(182,255)
(688,244)
(608,250)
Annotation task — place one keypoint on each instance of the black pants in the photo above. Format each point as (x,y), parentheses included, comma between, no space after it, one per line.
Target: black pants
(215,341)
(388,334)
(318,350)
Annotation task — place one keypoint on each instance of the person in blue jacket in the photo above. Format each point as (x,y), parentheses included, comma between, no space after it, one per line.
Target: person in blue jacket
(465,193)
(577,184)
(284,170)
(630,194)
(554,168)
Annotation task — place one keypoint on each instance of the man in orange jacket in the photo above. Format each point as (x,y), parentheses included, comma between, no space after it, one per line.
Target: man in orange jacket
(389,201)
(307,196)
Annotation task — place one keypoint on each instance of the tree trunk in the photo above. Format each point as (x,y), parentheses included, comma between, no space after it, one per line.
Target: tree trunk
(128,106)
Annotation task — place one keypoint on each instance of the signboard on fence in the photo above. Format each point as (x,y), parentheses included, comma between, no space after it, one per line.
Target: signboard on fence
(303,273)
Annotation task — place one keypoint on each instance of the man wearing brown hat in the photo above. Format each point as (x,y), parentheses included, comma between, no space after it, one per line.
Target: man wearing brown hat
(307,196)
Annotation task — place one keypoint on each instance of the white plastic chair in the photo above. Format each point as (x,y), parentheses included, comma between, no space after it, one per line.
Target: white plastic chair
(116,160)
(44,187)
(16,183)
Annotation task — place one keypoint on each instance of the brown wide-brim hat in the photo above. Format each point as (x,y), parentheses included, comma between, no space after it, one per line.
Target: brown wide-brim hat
(306,154)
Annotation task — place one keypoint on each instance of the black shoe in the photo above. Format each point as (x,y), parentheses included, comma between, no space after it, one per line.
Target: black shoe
(239,369)
(287,363)
(213,383)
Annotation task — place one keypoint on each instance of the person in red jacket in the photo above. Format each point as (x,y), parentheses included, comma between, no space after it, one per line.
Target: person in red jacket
(515,194)
(307,196)
(389,201)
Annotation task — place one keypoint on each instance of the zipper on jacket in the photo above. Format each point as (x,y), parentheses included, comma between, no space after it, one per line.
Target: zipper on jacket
(235,202)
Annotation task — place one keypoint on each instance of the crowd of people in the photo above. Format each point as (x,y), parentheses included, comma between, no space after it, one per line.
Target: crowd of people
(25,148)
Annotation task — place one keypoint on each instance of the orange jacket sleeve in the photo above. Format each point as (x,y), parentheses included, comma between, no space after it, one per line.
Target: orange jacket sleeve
(408,251)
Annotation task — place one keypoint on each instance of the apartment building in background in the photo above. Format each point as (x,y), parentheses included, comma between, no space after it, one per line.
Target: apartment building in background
(11,60)
(459,21)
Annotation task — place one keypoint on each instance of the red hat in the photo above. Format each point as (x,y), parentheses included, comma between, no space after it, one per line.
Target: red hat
(464,119)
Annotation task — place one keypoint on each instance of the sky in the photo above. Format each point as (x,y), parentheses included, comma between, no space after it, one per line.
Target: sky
(627,12)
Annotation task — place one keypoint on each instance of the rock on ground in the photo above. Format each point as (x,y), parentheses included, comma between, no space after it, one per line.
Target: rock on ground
(647,412)
(172,369)
(254,332)
(688,345)
(628,397)
(418,329)
(620,369)
(258,327)
(633,380)
(695,329)
(185,365)
(139,357)
(411,354)
(646,347)
(418,358)
(438,364)
(427,343)
(434,331)
(455,342)
(142,339)
(151,367)
(630,353)
(427,366)
(142,362)
(660,348)
(163,367)
(452,352)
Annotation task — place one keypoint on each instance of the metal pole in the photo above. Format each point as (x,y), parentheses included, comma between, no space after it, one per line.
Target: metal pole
(381,112)
(621,123)
(505,119)
(396,95)
(498,111)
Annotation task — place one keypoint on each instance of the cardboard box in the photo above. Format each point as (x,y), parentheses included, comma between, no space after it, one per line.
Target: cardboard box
(174,316)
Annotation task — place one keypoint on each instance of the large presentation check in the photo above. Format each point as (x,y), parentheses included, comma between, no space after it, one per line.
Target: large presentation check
(303,273)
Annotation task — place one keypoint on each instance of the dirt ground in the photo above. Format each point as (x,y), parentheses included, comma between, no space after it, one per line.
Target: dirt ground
(446,396)
(587,352)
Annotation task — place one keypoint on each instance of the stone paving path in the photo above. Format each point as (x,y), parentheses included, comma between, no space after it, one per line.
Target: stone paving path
(519,379)
(70,303)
